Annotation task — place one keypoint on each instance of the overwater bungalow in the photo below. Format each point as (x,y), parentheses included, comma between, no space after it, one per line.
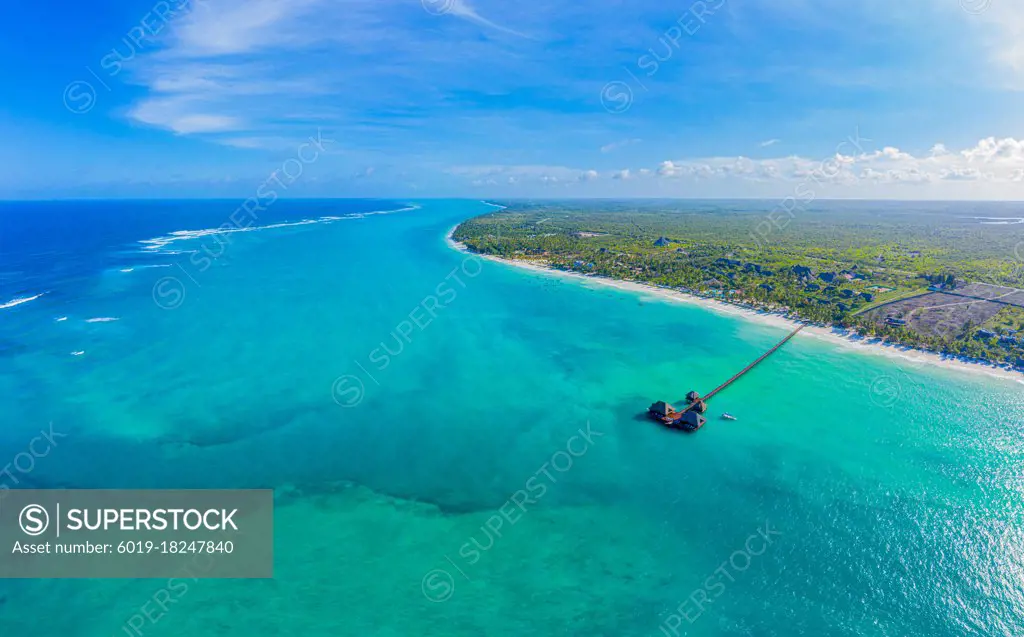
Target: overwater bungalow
(667,415)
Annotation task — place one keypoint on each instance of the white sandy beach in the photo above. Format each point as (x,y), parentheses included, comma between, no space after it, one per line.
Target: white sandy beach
(908,356)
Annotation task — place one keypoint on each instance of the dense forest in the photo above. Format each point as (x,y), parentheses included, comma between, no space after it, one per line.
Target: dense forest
(844,264)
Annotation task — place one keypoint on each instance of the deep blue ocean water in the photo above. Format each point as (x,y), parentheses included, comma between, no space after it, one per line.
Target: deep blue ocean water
(398,395)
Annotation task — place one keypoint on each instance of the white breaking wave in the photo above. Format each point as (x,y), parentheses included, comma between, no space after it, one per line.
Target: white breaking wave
(78,353)
(363,215)
(19,301)
(1000,221)
(189,235)
(158,243)
(61,319)
(102,319)
(145,267)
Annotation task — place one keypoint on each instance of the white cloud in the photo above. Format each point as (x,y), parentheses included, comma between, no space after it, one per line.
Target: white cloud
(183,116)
(669,169)
(607,148)
(524,174)
(991,159)
(248,65)
(462,9)
(991,150)
(217,66)
(910,176)
(238,72)
(888,152)
(274,143)
(961,174)
(221,27)
(1001,23)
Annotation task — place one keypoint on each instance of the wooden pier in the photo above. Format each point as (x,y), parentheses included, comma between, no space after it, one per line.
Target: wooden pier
(754,364)
(691,418)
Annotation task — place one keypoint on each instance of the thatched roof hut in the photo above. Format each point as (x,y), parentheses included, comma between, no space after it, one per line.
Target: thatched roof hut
(662,408)
(692,421)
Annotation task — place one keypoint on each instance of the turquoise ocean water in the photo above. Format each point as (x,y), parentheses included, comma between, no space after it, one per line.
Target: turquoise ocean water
(457,448)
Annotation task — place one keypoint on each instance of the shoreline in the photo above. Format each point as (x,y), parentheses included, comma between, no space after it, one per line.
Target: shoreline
(836,336)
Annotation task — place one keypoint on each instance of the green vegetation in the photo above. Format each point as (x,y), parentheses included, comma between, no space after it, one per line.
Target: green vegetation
(851,267)
(1010,319)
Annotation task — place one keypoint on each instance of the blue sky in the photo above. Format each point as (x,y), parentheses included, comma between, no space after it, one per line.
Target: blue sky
(920,99)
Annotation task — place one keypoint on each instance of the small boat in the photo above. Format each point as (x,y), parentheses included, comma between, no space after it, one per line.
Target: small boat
(728,416)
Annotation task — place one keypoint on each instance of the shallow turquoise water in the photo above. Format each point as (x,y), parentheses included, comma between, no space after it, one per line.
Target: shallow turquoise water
(882,498)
